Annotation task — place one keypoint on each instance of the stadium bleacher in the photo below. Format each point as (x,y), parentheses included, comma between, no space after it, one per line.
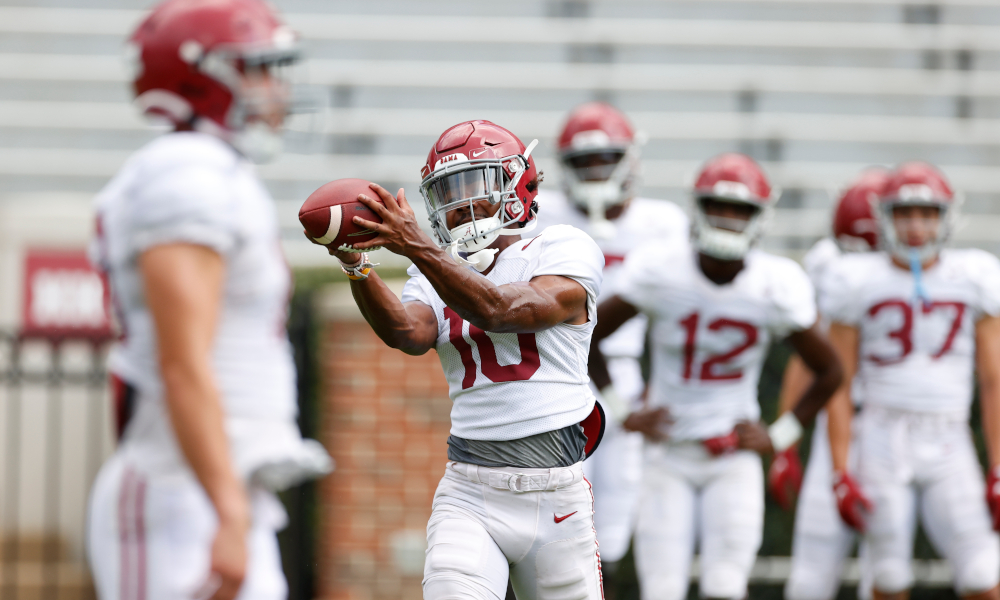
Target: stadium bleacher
(816,90)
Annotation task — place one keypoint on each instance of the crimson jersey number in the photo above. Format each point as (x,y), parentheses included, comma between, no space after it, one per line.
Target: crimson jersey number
(492,369)
(708,368)
(904,334)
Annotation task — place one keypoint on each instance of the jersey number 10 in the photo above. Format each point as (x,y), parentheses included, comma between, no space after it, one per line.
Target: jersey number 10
(492,369)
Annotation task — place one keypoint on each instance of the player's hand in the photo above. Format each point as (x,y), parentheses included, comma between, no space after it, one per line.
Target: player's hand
(784,478)
(993,495)
(753,436)
(229,560)
(650,422)
(398,232)
(852,504)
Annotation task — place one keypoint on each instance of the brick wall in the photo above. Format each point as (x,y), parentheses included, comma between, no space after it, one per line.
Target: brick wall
(386,421)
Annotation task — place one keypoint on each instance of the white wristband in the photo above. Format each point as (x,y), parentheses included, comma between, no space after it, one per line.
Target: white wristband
(614,405)
(785,432)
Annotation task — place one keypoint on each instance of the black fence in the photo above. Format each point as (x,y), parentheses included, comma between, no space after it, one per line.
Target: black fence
(56,431)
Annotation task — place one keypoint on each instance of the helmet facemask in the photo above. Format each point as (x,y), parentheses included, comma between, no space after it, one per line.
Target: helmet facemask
(899,247)
(726,237)
(596,179)
(464,183)
(260,79)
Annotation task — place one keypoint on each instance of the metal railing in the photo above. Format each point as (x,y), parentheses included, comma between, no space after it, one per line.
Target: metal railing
(56,431)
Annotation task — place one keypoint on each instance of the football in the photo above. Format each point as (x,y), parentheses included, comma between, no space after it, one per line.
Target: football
(328,214)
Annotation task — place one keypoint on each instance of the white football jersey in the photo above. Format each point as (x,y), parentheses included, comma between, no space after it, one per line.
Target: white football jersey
(709,341)
(819,258)
(914,355)
(818,262)
(193,188)
(645,220)
(507,386)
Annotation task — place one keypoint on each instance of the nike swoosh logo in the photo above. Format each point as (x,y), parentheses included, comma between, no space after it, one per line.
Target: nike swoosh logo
(558,519)
(480,153)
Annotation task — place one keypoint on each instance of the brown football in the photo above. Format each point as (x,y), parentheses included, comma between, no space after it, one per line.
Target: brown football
(328,213)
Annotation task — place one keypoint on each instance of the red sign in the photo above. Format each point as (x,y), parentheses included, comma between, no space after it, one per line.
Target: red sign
(64,297)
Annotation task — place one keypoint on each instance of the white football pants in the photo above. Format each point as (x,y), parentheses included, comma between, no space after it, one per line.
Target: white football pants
(691,497)
(149,538)
(822,540)
(910,462)
(615,470)
(534,525)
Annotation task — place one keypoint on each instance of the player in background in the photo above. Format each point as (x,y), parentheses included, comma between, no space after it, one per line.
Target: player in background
(912,325)
(713,306)
(822,540)
(599,156)
(188,236)
(511,320)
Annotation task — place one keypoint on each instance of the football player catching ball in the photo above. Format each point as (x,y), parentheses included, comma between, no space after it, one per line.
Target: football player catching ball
(510,317)
(912,325)
(713,305)
(189,239)
(599,156)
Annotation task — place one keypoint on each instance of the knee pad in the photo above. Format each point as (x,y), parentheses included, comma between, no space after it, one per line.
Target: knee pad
(723,580)
(979,574)
(811,584)
(447,587)
(892,575)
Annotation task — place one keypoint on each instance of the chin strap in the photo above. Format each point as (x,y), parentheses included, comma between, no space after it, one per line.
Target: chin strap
(480,261)
(916,267)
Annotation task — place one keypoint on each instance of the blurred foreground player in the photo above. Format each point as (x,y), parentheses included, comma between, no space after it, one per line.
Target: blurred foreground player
(912,324)
(511,320)
(188,237)
(713,306)
(822,540)
(599,156)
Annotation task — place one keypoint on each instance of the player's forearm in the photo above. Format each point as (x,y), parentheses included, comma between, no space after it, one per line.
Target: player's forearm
(824,386)
(198,420)
(386,314)
(509,308)
(597,366)
(795,382)
(989,401)
(839,413)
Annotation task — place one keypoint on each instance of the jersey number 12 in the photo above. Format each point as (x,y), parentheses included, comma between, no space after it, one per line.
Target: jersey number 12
(708,367)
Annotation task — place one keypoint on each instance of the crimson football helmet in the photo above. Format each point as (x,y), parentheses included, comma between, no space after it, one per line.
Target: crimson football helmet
(599,156)
(737,179)
(916,184)
(215,66)
(471,162)
(854,226)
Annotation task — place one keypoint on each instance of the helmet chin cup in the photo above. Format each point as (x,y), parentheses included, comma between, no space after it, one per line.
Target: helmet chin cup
(465,238)
(258,142)
(722,244)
